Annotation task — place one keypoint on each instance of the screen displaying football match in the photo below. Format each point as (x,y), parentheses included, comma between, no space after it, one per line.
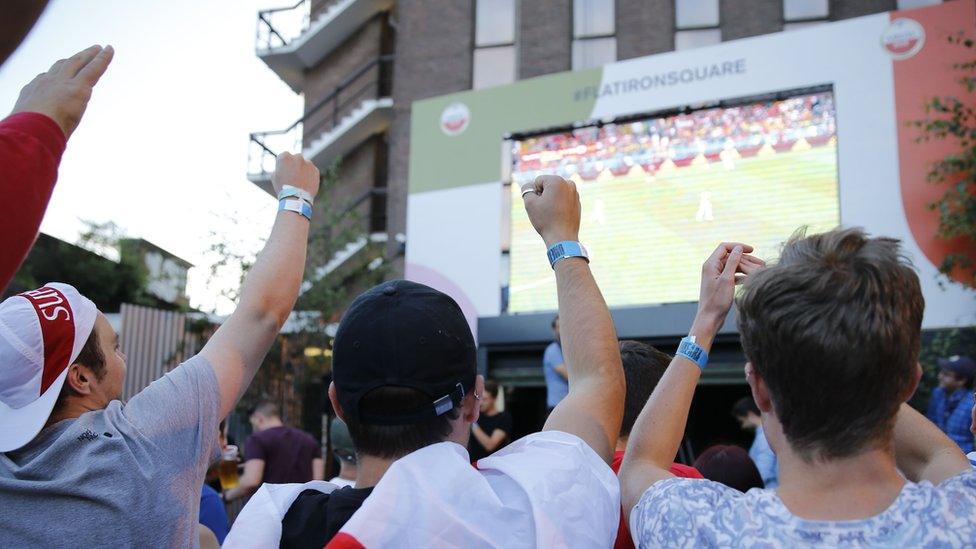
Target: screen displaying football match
(659,194)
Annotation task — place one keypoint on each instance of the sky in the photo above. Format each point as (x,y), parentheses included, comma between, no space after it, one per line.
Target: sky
(162,149)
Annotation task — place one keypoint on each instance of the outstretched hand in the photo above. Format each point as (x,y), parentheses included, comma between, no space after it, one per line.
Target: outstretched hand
(728,265)
(62,93)
(553,206)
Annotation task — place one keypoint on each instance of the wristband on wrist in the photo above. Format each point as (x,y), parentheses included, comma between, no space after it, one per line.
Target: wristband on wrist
(689,349)
(290,191)
(298,206)
(564,249)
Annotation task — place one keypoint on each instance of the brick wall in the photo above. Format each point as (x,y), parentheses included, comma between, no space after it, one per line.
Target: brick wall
(644,27)
(743,18)
(545,37)
(433,57)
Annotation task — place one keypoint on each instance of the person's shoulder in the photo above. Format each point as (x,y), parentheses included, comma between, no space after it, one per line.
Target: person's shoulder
(547,451)
(683,511)
(963,484)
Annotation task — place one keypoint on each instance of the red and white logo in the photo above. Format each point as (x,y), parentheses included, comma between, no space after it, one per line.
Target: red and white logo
(903,38)
(455,119)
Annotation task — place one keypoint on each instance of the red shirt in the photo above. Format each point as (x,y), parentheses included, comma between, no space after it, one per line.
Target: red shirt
(31,146)
(624,541)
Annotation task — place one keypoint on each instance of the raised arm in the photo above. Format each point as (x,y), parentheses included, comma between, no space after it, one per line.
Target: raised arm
(922,451)
(236,350)
(594,406)
(659,428)
(32,140)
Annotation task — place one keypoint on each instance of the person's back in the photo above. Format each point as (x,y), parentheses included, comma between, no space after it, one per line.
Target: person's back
(287,452)
(405,382)
(832,334)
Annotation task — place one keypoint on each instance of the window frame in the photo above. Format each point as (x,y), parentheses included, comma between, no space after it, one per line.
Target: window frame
(573,38)
(785,21)
(677,28)
(516,4)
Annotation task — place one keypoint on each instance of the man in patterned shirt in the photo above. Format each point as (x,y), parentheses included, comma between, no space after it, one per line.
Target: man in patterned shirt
(832,335)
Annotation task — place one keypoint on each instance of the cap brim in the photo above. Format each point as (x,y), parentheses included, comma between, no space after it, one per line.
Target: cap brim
(18,426)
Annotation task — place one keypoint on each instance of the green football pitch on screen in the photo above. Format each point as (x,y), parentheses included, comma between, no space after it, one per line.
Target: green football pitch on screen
(649,224)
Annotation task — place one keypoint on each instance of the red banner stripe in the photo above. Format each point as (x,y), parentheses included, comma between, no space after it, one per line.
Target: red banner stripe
(57,329)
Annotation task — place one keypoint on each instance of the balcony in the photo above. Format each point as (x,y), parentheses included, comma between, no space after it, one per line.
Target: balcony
(295,38)
(359,107)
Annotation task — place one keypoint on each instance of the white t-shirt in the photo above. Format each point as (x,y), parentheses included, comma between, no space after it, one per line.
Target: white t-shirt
(548,489)
(693,513)
(342,483)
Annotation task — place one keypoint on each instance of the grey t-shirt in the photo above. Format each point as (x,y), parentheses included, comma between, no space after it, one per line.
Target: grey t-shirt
(125,476)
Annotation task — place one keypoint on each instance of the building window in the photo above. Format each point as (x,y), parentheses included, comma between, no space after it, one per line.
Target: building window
(494,61)
(696,24)
(798,14)
(594,29)
(909,4)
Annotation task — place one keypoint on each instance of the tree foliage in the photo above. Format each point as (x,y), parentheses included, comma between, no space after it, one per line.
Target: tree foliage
(85,266)
(953,117)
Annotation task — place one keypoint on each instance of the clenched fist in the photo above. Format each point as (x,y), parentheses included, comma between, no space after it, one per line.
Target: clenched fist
(553,206)
(294,170)
(62,93)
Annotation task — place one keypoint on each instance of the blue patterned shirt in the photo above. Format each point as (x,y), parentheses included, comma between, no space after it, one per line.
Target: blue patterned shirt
(700,513)
(953,414)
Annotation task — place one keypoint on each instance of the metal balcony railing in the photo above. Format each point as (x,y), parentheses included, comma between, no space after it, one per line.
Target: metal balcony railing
(371,81)
(277,27)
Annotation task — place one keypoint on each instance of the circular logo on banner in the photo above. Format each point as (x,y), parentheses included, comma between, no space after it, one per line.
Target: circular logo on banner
(903,38)
(455,118)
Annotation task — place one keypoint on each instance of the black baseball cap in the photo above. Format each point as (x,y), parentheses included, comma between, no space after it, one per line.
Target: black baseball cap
(403,334)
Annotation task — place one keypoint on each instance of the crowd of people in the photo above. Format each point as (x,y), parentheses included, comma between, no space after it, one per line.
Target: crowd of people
(648,144)
(831,334)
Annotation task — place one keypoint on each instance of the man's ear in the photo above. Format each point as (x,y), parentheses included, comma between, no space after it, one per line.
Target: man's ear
(913,385)
(79,379)
(334,399)
(471,406)
(760,393)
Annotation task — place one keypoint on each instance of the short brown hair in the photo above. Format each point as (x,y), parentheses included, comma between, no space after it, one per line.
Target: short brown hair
(834,329)
(396,441)
(643,368)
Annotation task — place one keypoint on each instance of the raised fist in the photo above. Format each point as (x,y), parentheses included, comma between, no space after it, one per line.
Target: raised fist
(294,170)
(553,206)
(62,93)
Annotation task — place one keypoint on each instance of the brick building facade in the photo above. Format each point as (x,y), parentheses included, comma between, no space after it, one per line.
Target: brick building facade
(362,63)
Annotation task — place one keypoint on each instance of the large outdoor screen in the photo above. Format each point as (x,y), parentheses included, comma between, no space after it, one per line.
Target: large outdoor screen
(658,195)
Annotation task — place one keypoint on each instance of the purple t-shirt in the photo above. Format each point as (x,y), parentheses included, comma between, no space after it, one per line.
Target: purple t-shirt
(287,454)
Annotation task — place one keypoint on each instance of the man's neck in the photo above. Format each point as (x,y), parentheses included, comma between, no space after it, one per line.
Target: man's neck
(71,408)
(371,469)
(271,424)
(851,488)
(491,412)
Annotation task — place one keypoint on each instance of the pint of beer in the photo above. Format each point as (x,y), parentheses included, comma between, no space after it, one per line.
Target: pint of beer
(227,468)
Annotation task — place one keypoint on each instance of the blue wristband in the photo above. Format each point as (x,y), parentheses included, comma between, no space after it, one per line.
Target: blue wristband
(693,352)
(564,249)
(298,206)
(290,191)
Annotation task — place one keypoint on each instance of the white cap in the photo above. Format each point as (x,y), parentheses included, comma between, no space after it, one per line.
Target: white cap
(42,332)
